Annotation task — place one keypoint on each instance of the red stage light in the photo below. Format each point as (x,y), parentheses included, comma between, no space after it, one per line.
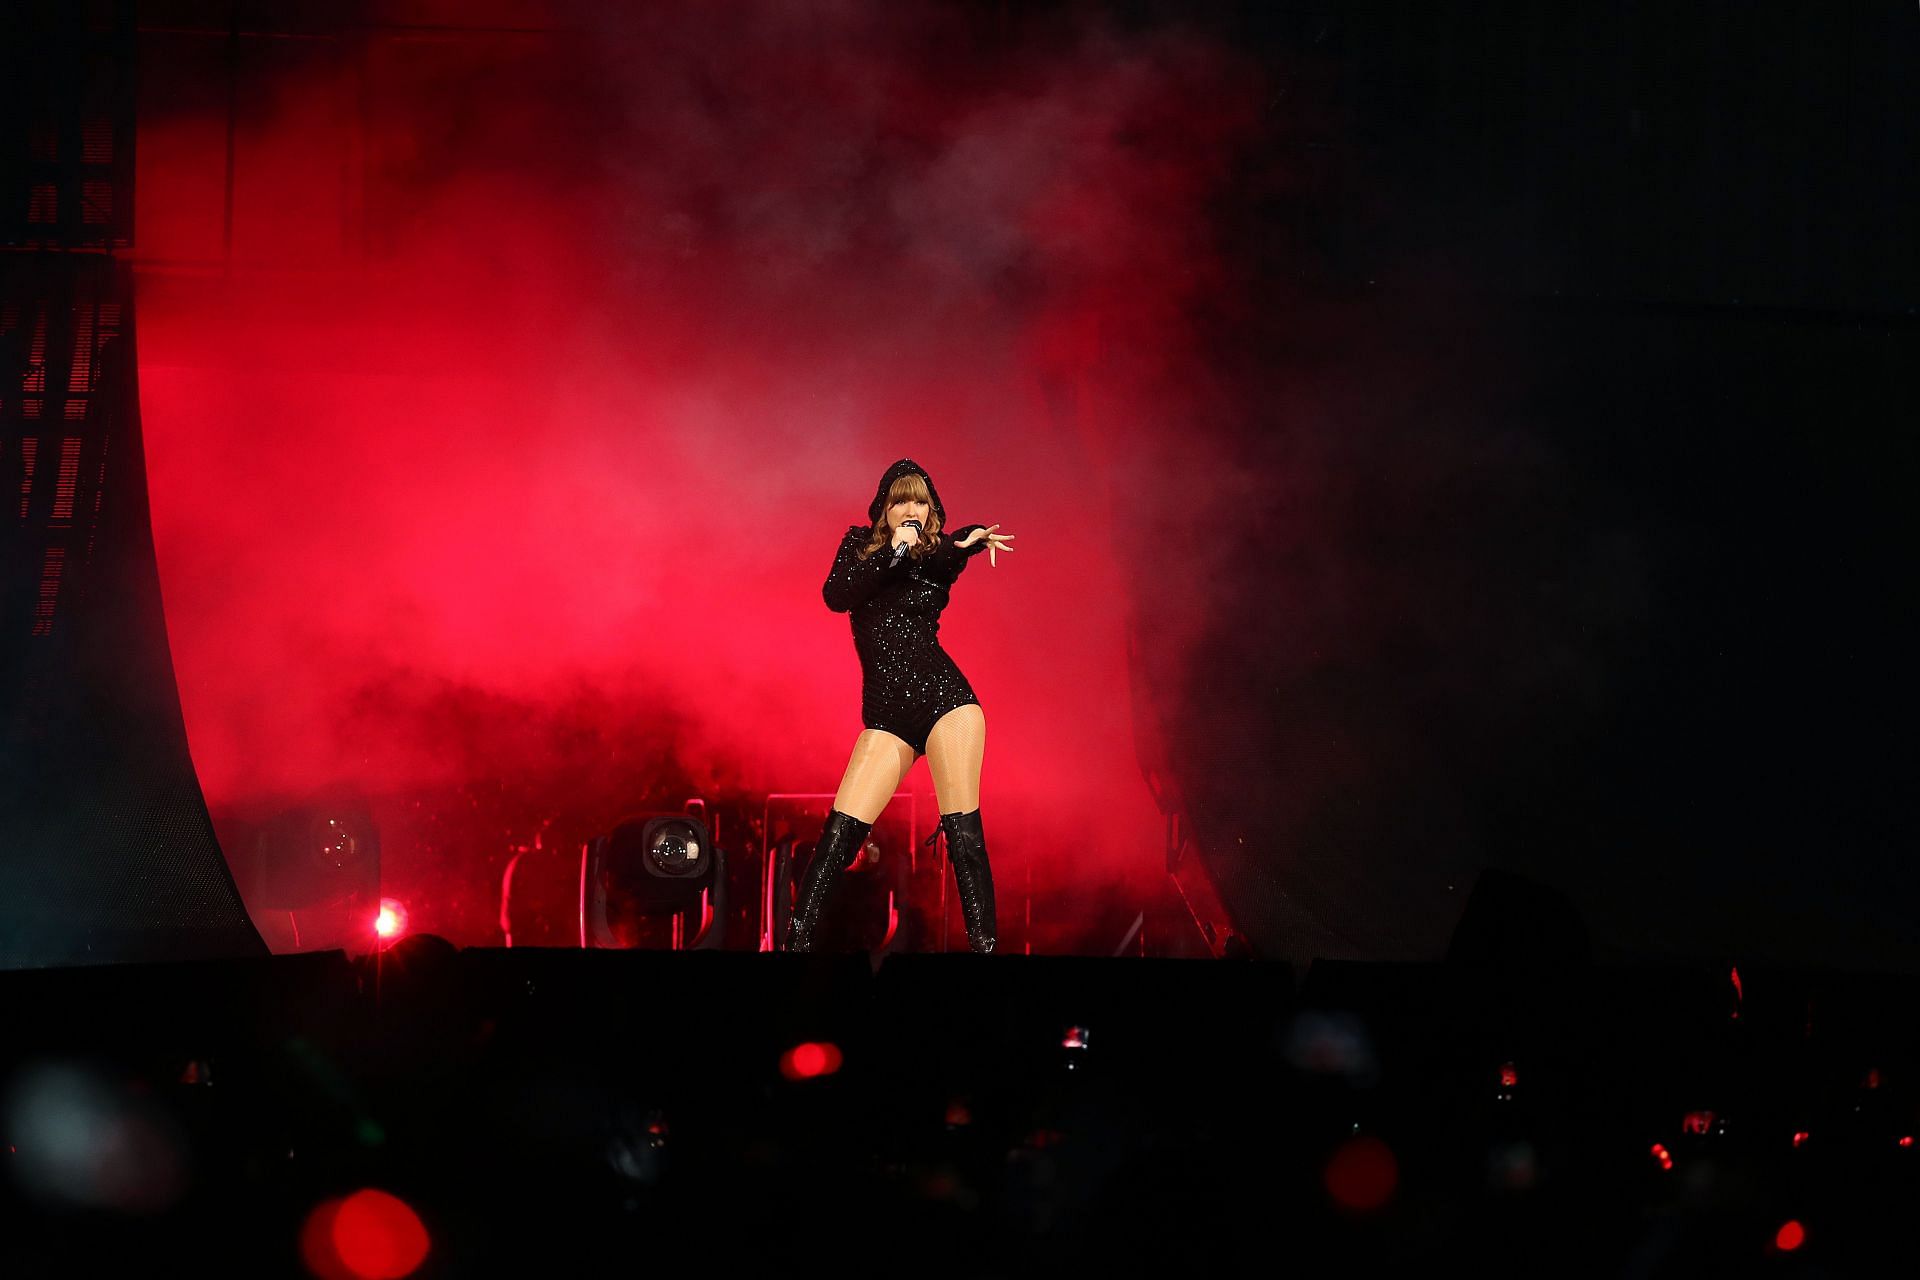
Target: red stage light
(1800,1138)
(1790,1237)
(1508,1076)
(1362,1174)
(391,923)
(810,1060)
(1907,1141)
(1661,1154)
(1697,1122)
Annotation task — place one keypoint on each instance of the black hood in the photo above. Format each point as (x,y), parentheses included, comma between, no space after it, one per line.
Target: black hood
(894,472)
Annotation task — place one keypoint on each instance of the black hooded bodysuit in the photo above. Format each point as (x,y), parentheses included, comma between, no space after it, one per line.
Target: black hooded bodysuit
(907,680)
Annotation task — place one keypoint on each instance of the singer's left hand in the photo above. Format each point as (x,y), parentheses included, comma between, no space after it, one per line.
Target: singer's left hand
(996,542)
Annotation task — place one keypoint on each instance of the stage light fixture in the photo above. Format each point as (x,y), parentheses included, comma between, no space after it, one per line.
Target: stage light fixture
(309,873)
(888,900)
(656,880)
(390,922)
(314,854)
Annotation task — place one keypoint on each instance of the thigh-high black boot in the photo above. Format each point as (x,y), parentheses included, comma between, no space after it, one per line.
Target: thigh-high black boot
(839,845)
(967,850)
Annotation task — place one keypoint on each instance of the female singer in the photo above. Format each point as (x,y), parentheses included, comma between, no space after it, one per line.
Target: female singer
(893,576)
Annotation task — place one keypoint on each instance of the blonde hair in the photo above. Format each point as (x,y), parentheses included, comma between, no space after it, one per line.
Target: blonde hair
(911,487)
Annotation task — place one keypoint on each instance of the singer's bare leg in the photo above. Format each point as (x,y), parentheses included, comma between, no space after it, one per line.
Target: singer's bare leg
(956,748)
(880,760)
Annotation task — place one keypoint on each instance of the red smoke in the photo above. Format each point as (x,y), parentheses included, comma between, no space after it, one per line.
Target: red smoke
(512,442)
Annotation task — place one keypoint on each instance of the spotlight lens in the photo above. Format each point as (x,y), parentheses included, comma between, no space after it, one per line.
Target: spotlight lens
(675,850)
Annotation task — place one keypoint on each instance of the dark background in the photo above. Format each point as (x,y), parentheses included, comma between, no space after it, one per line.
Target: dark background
(1606,316)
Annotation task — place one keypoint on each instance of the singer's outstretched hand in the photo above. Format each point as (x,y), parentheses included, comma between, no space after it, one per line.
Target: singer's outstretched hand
(996,542)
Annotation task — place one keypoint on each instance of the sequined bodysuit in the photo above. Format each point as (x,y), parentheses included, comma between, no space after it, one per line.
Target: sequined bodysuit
(907,680)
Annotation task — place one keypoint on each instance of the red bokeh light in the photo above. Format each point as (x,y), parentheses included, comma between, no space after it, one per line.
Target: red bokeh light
(1661,1154)
(369,1235)
(391,924)
(1800,1138)
(316,1243)
(1907,1141)
(1509,1077)
(1790,1237)
(378,1236)
(810,1060)
(1362,1174)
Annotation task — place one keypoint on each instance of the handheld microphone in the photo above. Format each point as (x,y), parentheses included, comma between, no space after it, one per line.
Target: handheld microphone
(900,548)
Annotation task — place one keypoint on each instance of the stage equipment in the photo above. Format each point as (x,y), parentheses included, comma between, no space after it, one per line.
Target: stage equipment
(657,880)
(876,906)
(307,855)
(390,923)
(110,855)
(540,891)
(310,873)
(1194,886)
(67,126)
